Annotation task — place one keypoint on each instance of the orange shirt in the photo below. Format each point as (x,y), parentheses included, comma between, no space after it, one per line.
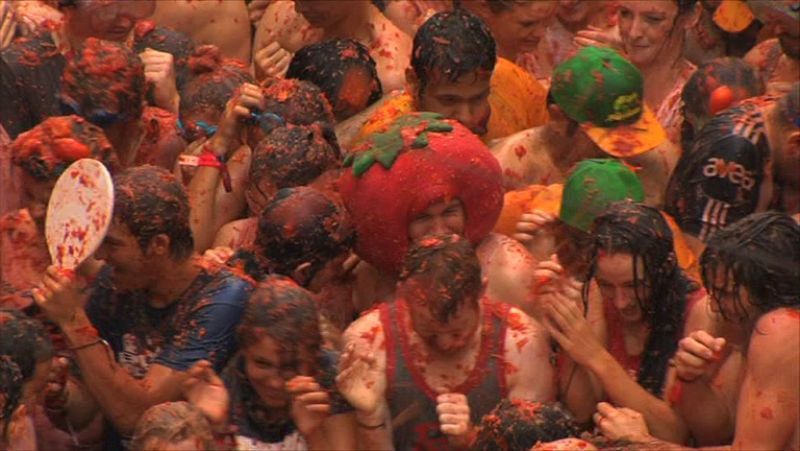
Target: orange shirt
(517,100)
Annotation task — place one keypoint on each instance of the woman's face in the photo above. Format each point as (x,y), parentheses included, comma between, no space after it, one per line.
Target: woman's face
(648,28)
(614,278)
(268,366)
(522,27)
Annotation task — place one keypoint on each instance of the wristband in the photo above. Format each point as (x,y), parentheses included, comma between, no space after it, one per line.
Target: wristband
(209,159)
(371,428)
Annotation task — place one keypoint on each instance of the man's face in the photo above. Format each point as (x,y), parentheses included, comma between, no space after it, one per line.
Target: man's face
(130,264)
(323,13)
(614,278)
(445,338)
(441,218)
(466,99)
(111,20)
(733,306)
(646,28)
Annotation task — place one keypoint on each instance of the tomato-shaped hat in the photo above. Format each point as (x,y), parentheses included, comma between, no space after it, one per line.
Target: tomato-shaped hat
(414,162)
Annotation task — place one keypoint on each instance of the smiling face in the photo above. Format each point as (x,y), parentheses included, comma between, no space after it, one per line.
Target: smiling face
(648,28)
(268,366)
(440,218)
(521,27)
(614,278)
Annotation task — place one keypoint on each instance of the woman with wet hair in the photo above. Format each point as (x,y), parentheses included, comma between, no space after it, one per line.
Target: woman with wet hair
(738,374)
(625,356)
(281,385)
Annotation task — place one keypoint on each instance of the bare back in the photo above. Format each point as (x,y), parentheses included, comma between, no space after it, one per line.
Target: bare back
(221,23)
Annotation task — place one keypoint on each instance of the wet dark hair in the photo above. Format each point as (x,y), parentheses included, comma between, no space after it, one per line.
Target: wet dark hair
(300,225)
(45,151)
(290,101)
(517,425)
(328,63)
(452,44)
(661,290)
(761,253)
(572,124)
(287,313)
(450,264)
(103,82)
(10,392)
(698,89)
(295,155)
(25,340)
(150,201)
(212,80)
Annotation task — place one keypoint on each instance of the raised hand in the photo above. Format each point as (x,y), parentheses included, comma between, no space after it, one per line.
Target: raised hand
(696,353)
(206,391)
(218,255)
(159,71)
(566,324)
(60,296)
(271,61)
(360,380)
(247,100)
(310,404)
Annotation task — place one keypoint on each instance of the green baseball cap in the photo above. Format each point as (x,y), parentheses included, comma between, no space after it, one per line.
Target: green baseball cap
(592,186)
(604,92)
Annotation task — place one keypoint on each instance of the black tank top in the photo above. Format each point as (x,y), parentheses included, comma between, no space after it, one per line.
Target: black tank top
(410,396)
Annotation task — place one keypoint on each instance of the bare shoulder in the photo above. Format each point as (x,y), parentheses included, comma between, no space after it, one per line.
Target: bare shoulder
(521,326)
(774,331)
(366,332)
(758,55)
(506,253)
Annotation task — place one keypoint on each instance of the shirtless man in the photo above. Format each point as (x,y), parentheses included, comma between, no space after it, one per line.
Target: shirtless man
(589,118)
(224,24)
(778,60)
(423,369)
(739,376)
(746,159)
(428,175)
(288,26)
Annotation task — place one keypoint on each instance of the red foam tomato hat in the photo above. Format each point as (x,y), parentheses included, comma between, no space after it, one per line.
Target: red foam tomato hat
(414,162)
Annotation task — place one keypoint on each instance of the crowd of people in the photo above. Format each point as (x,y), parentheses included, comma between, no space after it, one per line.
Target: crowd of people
(405,224)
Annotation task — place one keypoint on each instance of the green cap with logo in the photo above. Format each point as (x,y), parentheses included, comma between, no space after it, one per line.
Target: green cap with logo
(592,186)
(604,92)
